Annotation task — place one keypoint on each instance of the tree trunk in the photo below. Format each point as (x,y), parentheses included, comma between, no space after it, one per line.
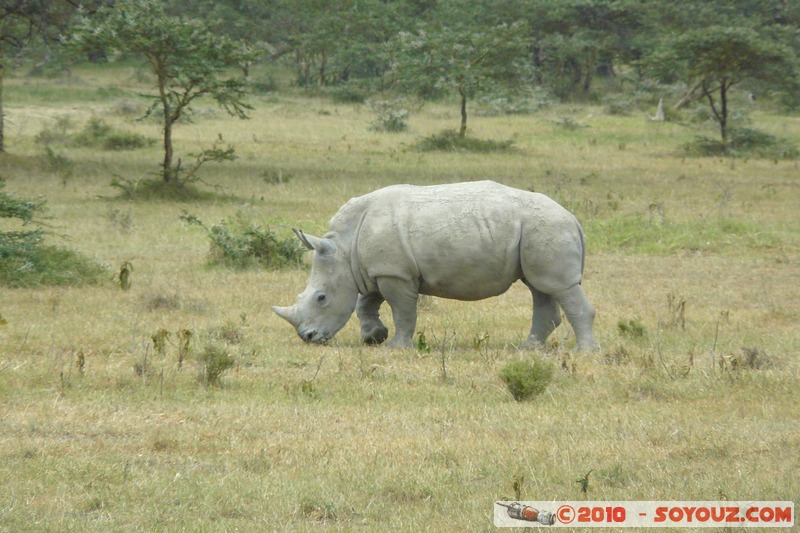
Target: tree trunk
(723,117)
(2,113)
(168,151)
(463,131)
(721,113)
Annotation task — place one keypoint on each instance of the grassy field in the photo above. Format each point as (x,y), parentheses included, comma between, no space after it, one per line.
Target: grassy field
(99,431)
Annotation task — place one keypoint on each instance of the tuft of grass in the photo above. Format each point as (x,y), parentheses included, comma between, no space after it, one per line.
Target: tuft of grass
(451,141)
(526,379)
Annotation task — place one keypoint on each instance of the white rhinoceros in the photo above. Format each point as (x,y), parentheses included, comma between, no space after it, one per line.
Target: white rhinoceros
(465,241)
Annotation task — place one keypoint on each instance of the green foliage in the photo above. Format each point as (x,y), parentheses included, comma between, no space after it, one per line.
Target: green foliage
(240,243)
(713,59)
(457,57)
(186,58)
(526,379)
(214,362)
(451,141)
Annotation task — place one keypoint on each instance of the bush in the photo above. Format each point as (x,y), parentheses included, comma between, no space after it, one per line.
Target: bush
(526,379)
(48,265)
(348,94)
(392,116)
(744,142)
(450,141)
(25,261)
(96,133)
(240,243)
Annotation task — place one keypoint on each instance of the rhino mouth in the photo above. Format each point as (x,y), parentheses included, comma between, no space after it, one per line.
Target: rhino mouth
(314,337)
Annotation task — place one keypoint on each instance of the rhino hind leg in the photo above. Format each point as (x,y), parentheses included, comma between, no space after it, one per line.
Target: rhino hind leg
(401,295)
(546,318)
(373,330)
(580,314)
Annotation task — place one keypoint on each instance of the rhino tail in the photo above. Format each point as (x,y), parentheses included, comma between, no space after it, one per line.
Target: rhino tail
(583,247)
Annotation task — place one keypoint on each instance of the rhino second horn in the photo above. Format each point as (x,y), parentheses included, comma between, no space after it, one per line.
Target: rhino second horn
(289,314)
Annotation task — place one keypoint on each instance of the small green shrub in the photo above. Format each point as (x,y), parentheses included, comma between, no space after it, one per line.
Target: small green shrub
(526,379)
(631,328)
(214,361)
(240,243)
(451,141)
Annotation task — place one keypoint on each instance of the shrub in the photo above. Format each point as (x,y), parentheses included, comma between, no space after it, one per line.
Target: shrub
(240,243)
(24,259)
(631,328)
(744,142)
(96,133)
(214,361)
(526,379)
(451,141)
(348,94)
(391,117)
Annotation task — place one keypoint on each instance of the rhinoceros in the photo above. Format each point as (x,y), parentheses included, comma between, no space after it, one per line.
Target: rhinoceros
(465,241)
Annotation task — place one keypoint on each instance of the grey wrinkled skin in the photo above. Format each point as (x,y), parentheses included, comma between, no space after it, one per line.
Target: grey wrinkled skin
(465,241)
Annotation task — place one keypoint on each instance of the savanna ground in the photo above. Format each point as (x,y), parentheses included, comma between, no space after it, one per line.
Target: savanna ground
(101,432)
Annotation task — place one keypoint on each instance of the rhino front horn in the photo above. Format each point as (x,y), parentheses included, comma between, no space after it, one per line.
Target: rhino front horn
(289,314)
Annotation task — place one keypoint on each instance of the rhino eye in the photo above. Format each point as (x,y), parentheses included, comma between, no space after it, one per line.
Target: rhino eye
(320,298)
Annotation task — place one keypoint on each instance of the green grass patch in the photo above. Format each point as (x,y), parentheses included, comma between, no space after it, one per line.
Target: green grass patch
(640,235)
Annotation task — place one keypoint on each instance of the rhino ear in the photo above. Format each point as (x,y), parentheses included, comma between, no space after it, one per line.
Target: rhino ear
(321,246)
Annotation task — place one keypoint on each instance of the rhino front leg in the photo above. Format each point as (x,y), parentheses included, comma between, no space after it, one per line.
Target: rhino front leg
(373,330)
(546,318)
(402,298)
(580,314)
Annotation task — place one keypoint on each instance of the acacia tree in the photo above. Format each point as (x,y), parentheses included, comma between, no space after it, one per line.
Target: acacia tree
(187,60)
(716,58)
(467,60)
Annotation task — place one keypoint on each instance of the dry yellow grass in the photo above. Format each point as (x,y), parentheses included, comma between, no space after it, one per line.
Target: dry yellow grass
(350,437)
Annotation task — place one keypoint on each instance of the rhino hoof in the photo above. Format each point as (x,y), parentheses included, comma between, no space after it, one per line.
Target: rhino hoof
(376,336)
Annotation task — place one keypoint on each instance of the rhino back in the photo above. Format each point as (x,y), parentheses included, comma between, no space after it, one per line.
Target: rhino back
(465,241)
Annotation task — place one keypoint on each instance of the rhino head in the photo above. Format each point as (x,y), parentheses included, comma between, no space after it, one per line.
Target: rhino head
(329,299)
